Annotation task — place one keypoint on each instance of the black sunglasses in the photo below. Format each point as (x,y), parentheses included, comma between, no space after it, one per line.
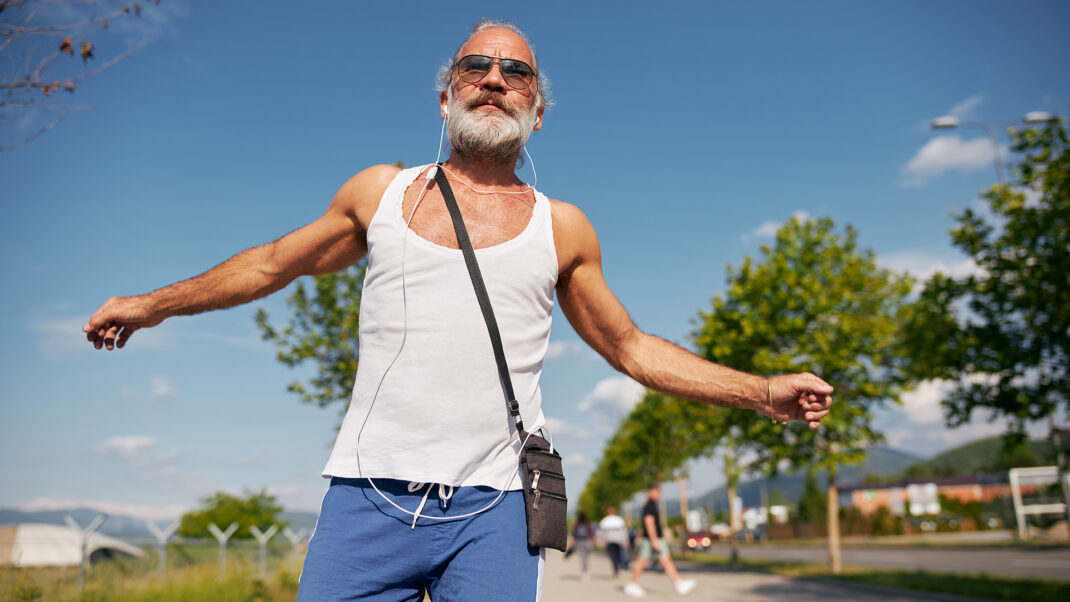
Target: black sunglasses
(473,68)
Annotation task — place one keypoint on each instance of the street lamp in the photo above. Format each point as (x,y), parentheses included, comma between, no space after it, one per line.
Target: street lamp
(950,122)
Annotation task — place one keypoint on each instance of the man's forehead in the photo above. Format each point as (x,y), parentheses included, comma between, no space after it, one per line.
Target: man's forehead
(498,42)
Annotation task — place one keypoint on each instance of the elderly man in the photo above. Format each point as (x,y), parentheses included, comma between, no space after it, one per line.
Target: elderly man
(424,492)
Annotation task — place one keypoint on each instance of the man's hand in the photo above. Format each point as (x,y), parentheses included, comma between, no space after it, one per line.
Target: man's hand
(113,324)
(798,397)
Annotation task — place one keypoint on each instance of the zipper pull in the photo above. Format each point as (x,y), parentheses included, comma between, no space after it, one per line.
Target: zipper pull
(535,481)
(535,503)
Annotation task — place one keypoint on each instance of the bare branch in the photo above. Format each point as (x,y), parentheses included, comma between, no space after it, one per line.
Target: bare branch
(8,29)
(51,125)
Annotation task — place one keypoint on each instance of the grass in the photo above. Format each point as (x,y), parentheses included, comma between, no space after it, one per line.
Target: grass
(980,586)
(190,578)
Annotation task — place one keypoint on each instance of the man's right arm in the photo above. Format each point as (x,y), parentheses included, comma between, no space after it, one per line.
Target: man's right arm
(652,532)
(333,242)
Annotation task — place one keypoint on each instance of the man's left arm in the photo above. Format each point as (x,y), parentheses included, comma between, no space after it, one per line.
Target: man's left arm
(600,319)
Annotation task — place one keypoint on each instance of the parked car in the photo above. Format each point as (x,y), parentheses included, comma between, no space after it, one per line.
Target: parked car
(698,540)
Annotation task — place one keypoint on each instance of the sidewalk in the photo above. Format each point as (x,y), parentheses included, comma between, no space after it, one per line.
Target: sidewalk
(562,583)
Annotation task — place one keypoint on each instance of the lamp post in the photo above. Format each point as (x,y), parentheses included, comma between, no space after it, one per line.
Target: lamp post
(950,122)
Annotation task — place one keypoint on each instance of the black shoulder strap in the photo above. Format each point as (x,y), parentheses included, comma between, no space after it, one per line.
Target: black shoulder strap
(481,294)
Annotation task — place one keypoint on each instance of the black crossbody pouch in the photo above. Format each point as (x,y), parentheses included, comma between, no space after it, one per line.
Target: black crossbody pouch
(545,503)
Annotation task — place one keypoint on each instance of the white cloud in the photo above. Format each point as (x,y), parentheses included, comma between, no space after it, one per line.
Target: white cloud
(769,229)
(557,349)
(922,404)
(612,397)
(923,263)
(946,153)
(573,460)
(967,109)
(130,447)
(162,388)
(919,425)
(136,450)
(560,428)
(146,511)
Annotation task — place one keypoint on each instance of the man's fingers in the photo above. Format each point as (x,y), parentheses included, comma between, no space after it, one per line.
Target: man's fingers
(815,385)
(124,336)
(815,416)
(109,337)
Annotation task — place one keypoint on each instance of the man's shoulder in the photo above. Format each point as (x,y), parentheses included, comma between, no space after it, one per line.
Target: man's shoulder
(360,194)
(372,180)
(567,215)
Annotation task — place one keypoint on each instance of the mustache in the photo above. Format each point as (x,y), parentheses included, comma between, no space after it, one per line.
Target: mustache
(493,98)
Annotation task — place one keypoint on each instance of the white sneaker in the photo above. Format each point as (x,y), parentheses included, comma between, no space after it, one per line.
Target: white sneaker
(684,586)
(632,589)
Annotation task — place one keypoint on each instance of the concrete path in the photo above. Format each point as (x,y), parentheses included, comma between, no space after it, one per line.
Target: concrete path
(564,584)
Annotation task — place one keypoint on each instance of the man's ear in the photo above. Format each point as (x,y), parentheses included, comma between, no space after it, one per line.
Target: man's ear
(442,98)
(538,120)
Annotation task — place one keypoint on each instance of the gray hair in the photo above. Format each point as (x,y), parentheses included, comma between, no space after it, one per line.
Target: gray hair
(542,96)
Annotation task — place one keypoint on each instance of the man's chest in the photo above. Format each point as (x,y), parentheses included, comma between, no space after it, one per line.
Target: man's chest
(490,219)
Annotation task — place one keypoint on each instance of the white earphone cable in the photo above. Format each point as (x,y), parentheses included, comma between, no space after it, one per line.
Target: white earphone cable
(404,333)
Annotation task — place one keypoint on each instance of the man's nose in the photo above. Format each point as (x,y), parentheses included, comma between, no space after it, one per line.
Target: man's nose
(494,80)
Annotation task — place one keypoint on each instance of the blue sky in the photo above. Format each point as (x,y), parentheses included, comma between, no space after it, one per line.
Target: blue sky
(686,134)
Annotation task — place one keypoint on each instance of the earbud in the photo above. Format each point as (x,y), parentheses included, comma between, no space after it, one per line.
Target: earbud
(446,111)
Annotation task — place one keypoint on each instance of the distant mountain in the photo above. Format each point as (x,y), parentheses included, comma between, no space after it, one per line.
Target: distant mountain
(129,528)
(117,525)
(984,455)
(879,460)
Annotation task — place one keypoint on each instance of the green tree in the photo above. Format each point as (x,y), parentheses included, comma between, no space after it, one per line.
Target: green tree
(815,302)
(255,509)
(1003,332)
(813,503)
(656,438)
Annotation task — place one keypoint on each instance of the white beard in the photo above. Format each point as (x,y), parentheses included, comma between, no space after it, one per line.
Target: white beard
(493,136)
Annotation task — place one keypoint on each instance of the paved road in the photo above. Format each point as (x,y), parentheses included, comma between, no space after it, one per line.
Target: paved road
(1045,563)
(563,584)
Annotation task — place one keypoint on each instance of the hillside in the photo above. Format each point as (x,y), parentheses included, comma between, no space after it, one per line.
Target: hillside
(984,455)
(126,527)
(879,461)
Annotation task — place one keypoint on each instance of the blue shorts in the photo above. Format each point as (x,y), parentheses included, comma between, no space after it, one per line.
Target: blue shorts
(365,549)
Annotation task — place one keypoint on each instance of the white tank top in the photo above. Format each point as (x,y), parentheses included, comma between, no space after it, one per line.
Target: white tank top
(440,414)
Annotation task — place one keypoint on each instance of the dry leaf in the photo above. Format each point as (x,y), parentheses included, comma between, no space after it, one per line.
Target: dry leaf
(87,52)
(66,46)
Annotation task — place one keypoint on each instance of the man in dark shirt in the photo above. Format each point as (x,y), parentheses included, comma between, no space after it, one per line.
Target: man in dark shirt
(653,542)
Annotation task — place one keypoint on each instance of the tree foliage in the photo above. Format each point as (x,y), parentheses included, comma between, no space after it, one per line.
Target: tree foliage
(256,509)
(651,444)
(815,303)
(47,49)
(813,503)
(1003,332)
(322,330)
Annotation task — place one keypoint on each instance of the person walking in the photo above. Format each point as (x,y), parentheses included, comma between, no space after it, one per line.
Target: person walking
(425,495)
(654,543)
(614,532)
(583,542)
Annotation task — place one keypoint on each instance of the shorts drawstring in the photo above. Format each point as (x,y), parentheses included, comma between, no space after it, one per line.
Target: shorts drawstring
(445,492)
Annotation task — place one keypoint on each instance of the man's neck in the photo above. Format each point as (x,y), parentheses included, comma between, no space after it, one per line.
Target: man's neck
(484,173)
